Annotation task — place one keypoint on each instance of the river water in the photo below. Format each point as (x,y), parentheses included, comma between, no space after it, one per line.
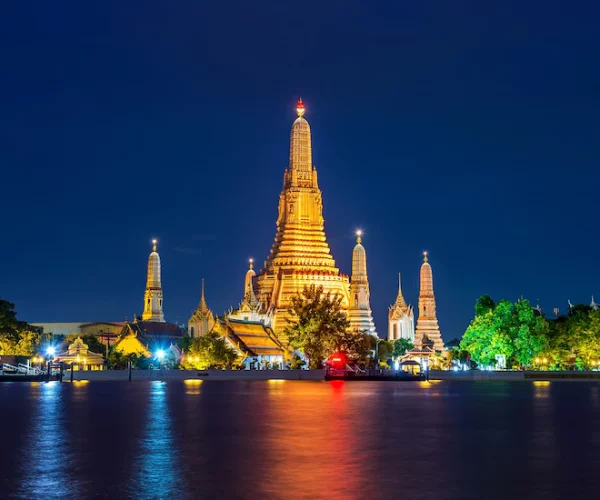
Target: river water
(297,439)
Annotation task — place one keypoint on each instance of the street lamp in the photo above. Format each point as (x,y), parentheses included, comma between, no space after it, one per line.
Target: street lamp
(160,354)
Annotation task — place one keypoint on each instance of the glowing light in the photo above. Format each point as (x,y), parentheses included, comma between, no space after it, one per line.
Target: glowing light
(300,108)
(51,351)
(160,354)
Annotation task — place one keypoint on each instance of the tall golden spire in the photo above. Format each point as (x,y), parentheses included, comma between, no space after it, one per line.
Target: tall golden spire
(249,281)
(300,168)
(359,312)
(359,260)
(300,255)
(428,330)
(400,302)
(153,297)
(203,307)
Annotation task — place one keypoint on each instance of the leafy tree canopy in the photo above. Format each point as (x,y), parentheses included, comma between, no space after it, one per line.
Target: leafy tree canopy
(17,338)
(484,305)
(510,329)
(320,326)
(401,346)
(210,351)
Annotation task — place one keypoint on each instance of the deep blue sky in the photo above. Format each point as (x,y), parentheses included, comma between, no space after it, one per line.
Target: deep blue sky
(466,128)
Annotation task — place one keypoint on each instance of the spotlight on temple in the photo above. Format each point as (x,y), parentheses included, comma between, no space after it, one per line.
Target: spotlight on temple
(160,354)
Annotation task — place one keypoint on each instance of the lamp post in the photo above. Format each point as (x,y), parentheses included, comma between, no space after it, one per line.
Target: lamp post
(377,340)
(160,354)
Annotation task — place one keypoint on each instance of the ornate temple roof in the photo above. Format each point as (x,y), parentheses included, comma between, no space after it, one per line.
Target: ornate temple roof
(78,351)
(400,307)
(252,338)
(149,335)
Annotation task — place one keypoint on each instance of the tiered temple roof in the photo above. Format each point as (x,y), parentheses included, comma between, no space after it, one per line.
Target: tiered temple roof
(251,338)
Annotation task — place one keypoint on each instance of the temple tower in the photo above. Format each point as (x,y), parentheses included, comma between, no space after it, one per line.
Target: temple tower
(249,294)
(300,255)
(153,298)
(401,318)
(428,331)
(202,320)
(359,312)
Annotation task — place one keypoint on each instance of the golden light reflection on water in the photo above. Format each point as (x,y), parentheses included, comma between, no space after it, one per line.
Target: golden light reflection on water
(193,386)
(314,428)
(541,389)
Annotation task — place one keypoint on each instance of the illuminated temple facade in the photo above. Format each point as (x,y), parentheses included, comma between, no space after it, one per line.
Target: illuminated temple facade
(300,255)
(359,311)
(153,298)
(401,318)
(427,335)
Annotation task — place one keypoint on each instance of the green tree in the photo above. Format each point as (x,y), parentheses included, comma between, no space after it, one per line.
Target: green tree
(512,330)
(17,338)
(210,351)
(401,346)
(574,339)
(319,326)
(484,305)
(119,361)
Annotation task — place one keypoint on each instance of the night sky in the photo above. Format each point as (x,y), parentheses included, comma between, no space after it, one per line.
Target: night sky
(465,128)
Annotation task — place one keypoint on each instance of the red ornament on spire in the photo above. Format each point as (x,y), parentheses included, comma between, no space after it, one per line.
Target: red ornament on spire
(300,109)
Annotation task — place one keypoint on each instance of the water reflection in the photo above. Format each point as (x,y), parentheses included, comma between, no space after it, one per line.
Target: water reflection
(541,389)
(292,439)
(157,471)
(49,453)
(193,386)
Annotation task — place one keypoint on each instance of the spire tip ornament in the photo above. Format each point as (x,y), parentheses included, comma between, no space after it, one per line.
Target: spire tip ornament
(300,108)
(154,241)
(425,259)
(359,234)
(251,261)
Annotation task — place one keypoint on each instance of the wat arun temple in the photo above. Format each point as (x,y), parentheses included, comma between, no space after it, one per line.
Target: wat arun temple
(300,257)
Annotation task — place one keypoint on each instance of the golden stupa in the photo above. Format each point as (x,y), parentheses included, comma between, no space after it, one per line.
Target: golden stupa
(300,255)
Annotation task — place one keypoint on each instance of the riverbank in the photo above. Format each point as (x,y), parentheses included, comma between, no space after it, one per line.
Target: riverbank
(139,375)
(512,376)
(315,375)
(472,375)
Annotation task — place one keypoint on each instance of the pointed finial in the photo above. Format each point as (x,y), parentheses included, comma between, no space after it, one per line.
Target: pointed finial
(202,296)
(359,234)
(300,109)
(154,245)
(399,282)
(425,259)
(251,261)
